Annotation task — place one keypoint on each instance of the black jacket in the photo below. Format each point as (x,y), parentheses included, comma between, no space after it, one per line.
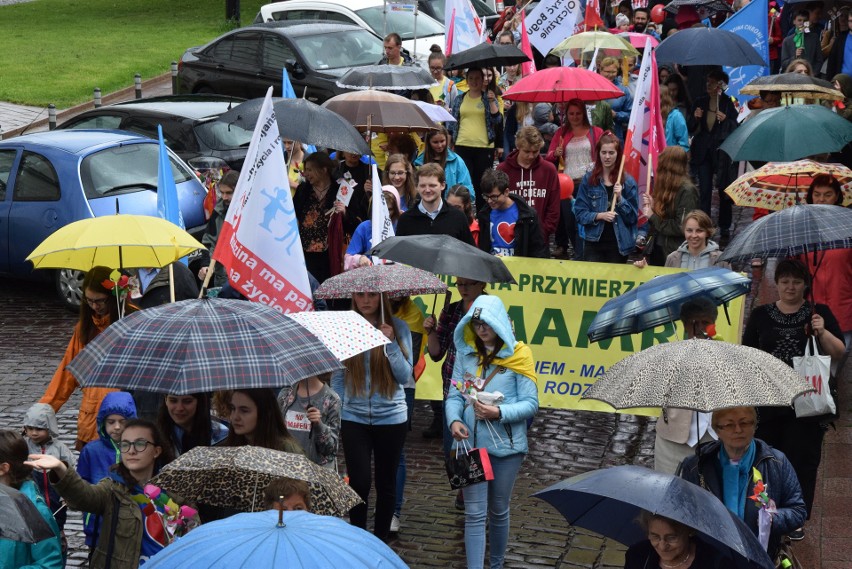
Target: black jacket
(835,56)
(449,221)
(706,141)
(528,239)
(159,291)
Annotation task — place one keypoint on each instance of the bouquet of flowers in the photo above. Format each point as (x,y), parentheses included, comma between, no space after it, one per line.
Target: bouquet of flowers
(767,509)
(177,520)
(120,285)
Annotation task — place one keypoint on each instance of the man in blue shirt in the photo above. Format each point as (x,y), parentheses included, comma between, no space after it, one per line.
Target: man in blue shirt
(508,227)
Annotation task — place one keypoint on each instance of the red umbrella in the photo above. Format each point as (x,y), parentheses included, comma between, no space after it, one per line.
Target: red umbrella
(560,85)
(638,40)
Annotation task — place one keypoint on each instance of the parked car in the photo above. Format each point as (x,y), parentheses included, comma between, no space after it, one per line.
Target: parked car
(50,179)
(368,14)
(246,61)
(190,128)
(437,8)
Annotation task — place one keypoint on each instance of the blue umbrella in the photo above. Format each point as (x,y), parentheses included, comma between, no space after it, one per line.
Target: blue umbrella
(259,539)
(608,501)
(658,301)
(707,46)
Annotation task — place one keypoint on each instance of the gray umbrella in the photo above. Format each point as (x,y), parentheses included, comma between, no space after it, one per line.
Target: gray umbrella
(386,78)
(702,375)
(19,518)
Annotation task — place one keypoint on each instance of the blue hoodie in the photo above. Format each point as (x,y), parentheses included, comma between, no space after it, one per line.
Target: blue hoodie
(455,172)
(508,435)
(376,409)
(99,456)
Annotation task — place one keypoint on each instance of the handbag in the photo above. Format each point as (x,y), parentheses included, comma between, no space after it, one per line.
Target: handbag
(786,559)
(468,466)
(816,369)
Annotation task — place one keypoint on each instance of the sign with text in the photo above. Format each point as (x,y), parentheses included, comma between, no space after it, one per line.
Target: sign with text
(551,22)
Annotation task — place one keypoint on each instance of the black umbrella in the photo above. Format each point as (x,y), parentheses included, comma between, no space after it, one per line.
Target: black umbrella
(707,46)
(798,84)
(444,255)
(703,7)
(386,78)
(486,55)
(19,518)
(302,120)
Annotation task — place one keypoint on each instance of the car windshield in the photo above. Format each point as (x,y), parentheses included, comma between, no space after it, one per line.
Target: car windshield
(340,49)
(400,22)
(221,136)
(125,169)
(439,6)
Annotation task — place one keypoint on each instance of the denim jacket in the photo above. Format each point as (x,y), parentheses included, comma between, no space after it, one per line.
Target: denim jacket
(493,123)
(592,200)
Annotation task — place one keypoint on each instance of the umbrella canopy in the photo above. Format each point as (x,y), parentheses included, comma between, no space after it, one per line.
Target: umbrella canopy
(658,301)
(702,375)
(588,42)
(797,84)
(234,477)
(19,518)
(704,8)
(379,111)
(435,112)
(118,241)
(486,55)
(301,541)
(707,46)
(560,85)
(345,332)
(386,78)
(393,280)
(788,133)
(638,40)
(608,501)
(302,120)
(197,346)
(779,185)
(444,255)
(793,231)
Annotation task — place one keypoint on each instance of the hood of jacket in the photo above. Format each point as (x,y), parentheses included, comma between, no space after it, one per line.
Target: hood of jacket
(115,403)
(490,310)
(845,82)
(41,416)
(711,247)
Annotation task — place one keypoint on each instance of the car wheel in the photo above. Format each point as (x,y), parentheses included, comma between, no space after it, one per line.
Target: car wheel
(69,287)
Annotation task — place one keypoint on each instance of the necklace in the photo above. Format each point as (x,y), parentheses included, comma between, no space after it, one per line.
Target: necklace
(673,565)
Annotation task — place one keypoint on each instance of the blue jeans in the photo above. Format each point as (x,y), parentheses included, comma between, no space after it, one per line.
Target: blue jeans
(400,471)
(494,497)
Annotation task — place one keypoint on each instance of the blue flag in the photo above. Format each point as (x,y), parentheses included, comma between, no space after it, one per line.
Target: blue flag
(287,91)
(168,206)
(752,24)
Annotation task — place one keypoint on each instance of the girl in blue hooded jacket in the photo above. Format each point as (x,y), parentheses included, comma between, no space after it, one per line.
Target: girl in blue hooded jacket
(374,419)
(489,358)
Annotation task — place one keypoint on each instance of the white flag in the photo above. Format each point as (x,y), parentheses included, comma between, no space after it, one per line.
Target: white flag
(381,219)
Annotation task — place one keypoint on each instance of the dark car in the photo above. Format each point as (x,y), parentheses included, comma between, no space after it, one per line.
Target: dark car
(246,61)
(437,9)
(189,124)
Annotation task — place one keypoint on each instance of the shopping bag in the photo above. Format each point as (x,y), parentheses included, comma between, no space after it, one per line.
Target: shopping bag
(816,369)
(468,466)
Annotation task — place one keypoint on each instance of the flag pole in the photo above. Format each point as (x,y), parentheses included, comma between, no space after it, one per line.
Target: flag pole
(207,277)
(617,181)
(172,281)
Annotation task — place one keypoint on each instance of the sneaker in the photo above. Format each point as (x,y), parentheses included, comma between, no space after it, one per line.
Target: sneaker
(394,528)
(797,534)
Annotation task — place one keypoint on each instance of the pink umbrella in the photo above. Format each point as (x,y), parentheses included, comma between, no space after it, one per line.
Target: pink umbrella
(638,40)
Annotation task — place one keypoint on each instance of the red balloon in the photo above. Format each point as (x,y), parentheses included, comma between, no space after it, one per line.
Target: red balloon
(566,186)
(658,13)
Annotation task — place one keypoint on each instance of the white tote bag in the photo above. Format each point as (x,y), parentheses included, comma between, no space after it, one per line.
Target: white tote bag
(816,369)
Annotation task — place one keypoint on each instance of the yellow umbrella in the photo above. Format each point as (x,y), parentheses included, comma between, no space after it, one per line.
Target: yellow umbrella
(779,185)
(588,42)
(117,241)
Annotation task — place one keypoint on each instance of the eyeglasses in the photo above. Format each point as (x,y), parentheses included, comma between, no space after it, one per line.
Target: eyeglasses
(479,324)
(397,173)
(493,198)
(671,539)
(743,426)
(438,68)
(94,302)
(139,445)
(465,285)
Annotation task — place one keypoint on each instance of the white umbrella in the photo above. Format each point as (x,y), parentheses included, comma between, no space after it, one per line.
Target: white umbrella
(345,333)
(435,112)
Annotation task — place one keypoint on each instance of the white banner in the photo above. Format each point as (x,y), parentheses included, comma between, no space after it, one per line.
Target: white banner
(382,224)
(551,22)
(463,26)
(259,243)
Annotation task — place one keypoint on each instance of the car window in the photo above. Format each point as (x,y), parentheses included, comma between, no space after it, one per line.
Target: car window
(174,136)
(7,160)
(36,180)
(300,15)
(220,136)
(98,121)
(400,22)
(238,49)
(276,52)
(125,169)
(340,49)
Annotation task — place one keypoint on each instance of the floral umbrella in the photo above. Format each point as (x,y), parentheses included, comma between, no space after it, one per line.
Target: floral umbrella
(779,185)
(394,280)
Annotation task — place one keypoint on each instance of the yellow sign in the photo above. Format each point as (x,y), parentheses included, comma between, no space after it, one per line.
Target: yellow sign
(552,307)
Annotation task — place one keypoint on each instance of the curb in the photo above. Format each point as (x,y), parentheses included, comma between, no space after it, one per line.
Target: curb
(116,97)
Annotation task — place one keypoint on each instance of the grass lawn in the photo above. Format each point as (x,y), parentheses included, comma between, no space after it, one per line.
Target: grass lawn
(58,51)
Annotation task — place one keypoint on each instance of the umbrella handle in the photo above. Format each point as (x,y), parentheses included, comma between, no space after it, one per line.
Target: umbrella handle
(207,278)
(434,304)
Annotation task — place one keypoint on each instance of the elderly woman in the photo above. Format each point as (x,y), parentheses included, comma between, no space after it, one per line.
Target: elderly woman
(669,544)
(732,466)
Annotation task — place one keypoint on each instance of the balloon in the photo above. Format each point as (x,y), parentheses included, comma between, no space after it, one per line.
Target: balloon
(566,186)
(658,14)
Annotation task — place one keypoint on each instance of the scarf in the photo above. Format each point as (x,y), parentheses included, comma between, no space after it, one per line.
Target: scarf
(735,479)
(520,362)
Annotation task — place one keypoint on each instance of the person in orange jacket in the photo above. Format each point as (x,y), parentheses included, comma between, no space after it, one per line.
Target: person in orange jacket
(98,309)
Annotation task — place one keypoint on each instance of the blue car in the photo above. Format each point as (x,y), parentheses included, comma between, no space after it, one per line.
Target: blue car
(50,179)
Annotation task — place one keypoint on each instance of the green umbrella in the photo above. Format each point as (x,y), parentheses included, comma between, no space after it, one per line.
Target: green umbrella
(789,133)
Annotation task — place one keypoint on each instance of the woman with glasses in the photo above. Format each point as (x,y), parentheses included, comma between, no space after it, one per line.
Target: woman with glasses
(490,360)
(400,174)
(98,309)
(670,545)
(445,92)
(732,466)
(124,541)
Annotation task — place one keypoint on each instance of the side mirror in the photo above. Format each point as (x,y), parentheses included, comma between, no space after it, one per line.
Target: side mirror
(294,68)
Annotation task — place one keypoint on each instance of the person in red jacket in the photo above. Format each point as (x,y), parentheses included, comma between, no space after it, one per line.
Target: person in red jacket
(534,178)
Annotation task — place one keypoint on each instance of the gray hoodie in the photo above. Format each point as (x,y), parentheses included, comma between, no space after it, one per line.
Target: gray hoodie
(41,416)
(709,257)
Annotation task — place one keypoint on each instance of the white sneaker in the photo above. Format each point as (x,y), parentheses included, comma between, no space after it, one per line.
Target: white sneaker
(394,528)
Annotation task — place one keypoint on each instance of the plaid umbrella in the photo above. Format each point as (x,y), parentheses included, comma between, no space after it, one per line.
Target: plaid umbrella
(658,301)
(780,185)
(393,280)
(702,375)
(793,231)
(196,346)
(234,477)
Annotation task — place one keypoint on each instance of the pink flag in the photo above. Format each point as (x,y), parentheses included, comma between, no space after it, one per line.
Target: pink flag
(528,67)
(450,29)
